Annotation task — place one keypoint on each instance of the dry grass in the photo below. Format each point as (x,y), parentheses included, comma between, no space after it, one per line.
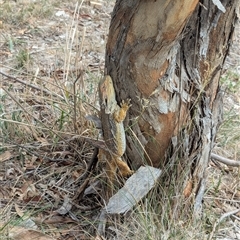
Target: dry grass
(223,192)
(48,86)
(52,55)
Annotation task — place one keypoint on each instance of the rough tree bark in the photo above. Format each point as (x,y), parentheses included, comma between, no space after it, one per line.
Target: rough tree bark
(167,56)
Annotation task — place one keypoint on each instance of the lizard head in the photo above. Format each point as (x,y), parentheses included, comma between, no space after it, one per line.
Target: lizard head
(107,95)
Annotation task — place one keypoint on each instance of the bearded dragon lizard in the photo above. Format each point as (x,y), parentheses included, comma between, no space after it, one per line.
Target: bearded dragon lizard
(112,117)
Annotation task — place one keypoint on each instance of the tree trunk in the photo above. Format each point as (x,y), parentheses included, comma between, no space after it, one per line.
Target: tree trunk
(167,56)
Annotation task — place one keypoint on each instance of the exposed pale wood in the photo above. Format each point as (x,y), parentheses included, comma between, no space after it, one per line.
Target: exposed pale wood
(135,188)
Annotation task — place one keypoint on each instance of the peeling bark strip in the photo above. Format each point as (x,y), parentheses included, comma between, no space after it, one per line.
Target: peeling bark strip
(135,188)
(167,57)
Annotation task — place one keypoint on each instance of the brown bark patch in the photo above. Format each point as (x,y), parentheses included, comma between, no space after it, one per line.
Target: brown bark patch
(148,82)
(178,13)
(156,146)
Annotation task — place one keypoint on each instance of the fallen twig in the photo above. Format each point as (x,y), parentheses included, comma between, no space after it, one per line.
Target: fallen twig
(224,160)
(87,176)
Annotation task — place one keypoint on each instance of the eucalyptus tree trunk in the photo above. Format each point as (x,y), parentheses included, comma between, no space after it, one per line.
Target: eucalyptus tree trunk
(167,56)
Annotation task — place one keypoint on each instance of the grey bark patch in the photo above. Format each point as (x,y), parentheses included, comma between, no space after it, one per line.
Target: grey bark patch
(135,188)
(219,5)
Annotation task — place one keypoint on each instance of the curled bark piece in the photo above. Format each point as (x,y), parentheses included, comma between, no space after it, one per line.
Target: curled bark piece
(135,188)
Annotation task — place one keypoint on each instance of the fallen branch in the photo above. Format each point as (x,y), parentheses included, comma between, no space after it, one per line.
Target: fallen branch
(224,160)
(87,176)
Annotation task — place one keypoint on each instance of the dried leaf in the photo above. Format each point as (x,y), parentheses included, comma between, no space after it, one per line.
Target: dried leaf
(22,31)
(5,156)
(66,207)
(10,173)
(22,233)
(29,192)
(188,189)
(19,211)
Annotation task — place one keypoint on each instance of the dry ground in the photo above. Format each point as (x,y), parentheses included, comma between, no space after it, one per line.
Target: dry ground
(52,56)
